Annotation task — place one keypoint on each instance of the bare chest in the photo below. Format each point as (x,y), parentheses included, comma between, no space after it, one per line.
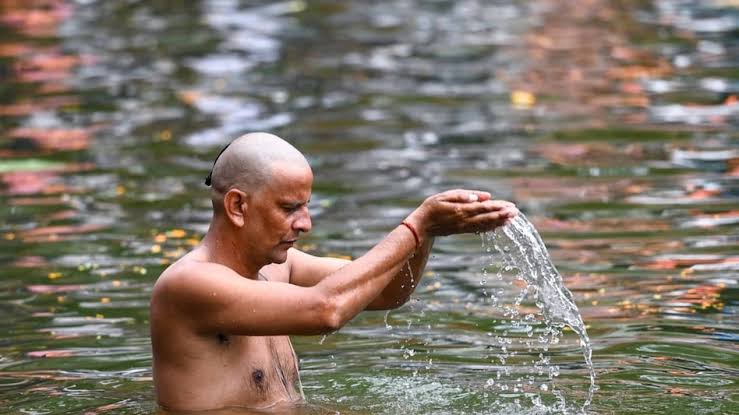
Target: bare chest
(264,368)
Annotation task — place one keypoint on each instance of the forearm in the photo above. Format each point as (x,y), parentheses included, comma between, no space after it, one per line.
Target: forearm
(399,290)
(351,289)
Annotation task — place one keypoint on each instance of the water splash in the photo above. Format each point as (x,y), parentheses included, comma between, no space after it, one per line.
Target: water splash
(387,325)
(527,267)
(412,281)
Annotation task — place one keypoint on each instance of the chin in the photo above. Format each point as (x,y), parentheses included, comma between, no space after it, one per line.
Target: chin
(279,258)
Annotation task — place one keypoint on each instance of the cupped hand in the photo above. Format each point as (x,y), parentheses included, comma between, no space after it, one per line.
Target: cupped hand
(461,211)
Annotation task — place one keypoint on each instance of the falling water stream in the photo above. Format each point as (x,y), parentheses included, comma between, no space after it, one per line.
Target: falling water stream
(535,309)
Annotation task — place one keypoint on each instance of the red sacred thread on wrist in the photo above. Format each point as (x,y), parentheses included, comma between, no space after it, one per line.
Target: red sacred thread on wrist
(413,231)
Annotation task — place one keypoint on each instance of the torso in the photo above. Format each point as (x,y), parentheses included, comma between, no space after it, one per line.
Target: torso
(217,370)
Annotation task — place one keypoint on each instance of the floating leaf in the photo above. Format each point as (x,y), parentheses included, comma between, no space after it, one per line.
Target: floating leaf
(176,233)
(522,99)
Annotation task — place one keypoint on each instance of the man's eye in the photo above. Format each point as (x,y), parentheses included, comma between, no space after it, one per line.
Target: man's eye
(294,207)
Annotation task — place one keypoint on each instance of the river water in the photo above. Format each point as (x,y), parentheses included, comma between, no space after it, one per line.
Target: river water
(611,124)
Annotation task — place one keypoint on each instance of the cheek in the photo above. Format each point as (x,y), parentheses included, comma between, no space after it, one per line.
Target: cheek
(279,222)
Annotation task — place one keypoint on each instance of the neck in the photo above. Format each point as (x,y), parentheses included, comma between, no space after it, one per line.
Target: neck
(223,248)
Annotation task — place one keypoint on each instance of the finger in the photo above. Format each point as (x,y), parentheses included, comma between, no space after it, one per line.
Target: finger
(500,205)
(482,196)
(510,211)
(464,196)
(489,221)
(478,208)
(509,204)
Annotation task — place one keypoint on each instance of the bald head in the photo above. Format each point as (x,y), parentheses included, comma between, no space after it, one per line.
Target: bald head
(248,161)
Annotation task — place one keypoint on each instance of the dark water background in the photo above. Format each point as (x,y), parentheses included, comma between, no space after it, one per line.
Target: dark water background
(612,124)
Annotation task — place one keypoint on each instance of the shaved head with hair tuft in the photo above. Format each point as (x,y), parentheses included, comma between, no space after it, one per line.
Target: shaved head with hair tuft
(247,163)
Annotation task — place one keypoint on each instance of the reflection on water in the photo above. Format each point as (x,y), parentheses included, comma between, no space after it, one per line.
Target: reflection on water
(611,123)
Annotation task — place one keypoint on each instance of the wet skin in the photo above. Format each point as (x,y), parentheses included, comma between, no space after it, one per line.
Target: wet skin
(206,367)
(221,315)
(232,370)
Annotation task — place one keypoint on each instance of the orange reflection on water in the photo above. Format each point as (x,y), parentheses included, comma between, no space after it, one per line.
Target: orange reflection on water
(45,181)
(36,18)
(704,296)
(55,139)
(561,188)
(59,232)
(25,107)
(51,289)
(39,76)
(582,53)
(591,154)
(601,225)
(685,261)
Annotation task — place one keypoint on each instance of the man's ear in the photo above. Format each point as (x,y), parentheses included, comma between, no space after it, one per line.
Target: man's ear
(234,205)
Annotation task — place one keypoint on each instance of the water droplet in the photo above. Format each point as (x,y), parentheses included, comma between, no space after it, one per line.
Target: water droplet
(527,275)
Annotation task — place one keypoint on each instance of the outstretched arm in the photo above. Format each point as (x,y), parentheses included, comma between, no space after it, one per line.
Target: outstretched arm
(214,299)
(308,270)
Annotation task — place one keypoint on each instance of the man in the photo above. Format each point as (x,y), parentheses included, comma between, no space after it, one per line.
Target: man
(221,315)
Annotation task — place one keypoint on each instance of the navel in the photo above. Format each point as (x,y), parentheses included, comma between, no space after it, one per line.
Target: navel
(223,339)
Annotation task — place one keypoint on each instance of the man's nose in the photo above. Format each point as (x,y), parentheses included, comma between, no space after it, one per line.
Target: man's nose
(303,223)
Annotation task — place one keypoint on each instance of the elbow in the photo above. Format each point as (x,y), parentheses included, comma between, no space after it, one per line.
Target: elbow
(331,318)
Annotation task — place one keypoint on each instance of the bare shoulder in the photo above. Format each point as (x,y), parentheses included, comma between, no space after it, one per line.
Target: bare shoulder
(201,298)
(276,272)
(191,281)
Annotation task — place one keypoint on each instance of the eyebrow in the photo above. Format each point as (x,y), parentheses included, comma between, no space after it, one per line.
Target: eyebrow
(294,202)
(208,179)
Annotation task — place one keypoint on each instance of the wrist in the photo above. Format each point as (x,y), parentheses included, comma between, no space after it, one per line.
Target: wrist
(413,231)
(416,220)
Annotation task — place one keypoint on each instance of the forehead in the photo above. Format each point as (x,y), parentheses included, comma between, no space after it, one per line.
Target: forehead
(290,180)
